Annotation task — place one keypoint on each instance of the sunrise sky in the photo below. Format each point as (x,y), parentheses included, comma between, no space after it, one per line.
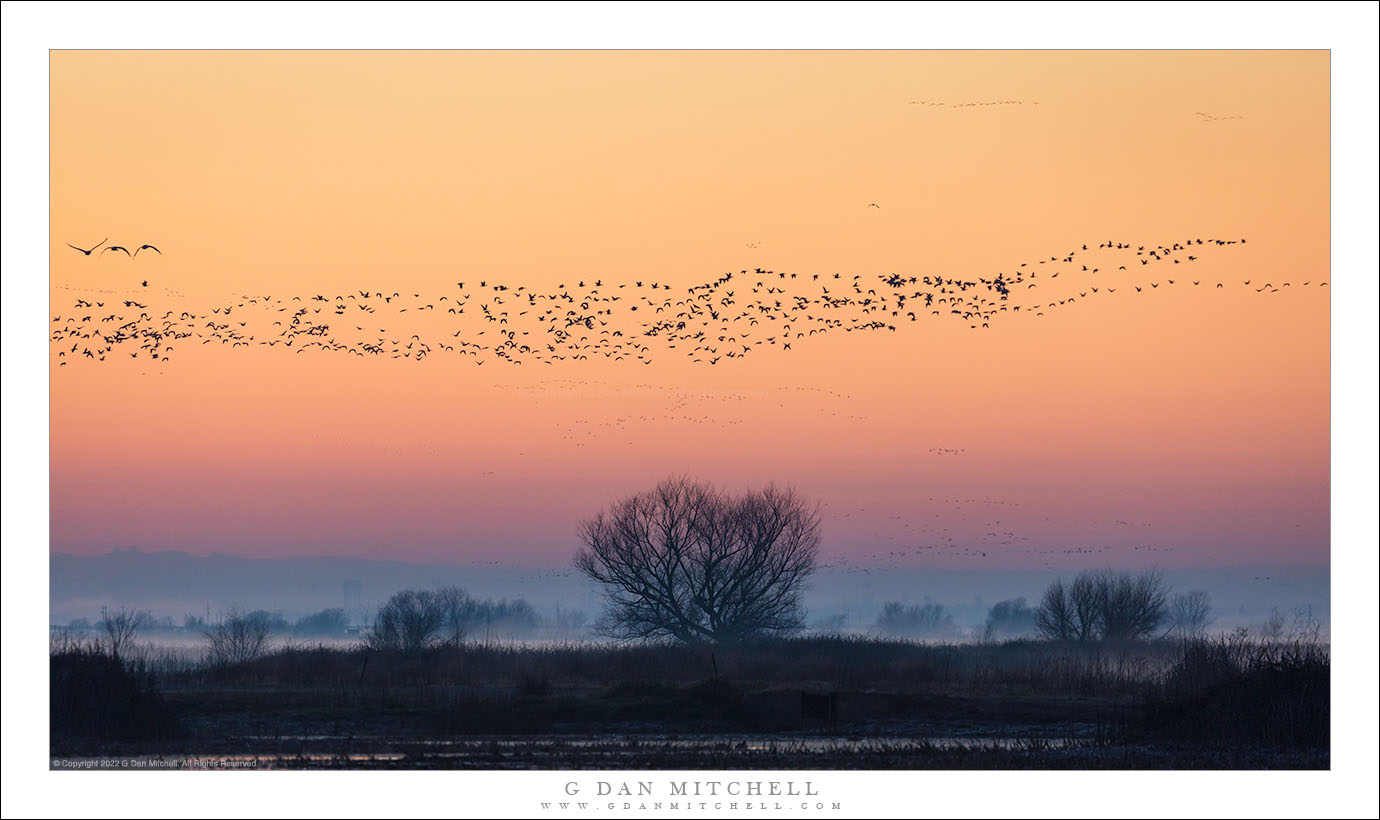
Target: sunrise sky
(1183,426)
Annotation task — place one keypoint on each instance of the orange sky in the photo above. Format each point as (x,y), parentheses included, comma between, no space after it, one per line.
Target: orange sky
(1196,417)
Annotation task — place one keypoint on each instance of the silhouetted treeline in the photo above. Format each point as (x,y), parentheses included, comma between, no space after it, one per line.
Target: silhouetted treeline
(1095,606)
(326,622)
(918,620)
(516,616)
(416,619)
(457,616)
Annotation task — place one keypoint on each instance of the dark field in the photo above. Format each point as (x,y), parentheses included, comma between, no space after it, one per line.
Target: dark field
(809,703)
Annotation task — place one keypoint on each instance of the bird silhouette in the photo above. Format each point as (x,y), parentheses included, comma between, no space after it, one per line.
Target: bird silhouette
(115,248)
(711,323)
(147,248)
(83,250)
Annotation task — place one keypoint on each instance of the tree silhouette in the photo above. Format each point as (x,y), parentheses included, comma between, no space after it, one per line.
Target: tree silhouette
(1103,605)
(409,621)
(689,562)
(1131,607)
(1010,618)
(1190,613)
(120,627)
(239,637)
(898,620)
(1053,617)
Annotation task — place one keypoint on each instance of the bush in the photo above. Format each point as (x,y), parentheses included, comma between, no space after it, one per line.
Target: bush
(1231,690)
(409,621)
(93,695)
(239,638)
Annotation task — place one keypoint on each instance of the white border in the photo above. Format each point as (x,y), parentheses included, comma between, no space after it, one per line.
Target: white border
(1349,30)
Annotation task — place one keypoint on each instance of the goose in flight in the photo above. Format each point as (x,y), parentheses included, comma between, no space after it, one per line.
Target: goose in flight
(115,248)
(85,251)
(147,248)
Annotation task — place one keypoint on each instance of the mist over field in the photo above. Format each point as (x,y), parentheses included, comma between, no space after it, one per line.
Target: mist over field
(175,584)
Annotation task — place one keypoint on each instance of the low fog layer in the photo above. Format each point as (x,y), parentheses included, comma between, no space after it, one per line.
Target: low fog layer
(175,585)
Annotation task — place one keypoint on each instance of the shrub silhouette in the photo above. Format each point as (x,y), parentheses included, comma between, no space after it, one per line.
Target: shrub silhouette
(238,637)
(1231,690)
(94,696)
(409,621)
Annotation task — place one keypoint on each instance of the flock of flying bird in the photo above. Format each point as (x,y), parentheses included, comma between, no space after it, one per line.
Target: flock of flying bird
(644,404)
(974,104)
(641,321)
(970,528)
(728,318)
(120,248)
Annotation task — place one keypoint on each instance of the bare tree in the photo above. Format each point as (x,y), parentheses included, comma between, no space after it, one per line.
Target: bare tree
(1130,607)
(692,563)
(409,621)
(1190,613)
(458,611)
(1103,605)
(1054,615)
(121,627)
(1085,600)
(239,637)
